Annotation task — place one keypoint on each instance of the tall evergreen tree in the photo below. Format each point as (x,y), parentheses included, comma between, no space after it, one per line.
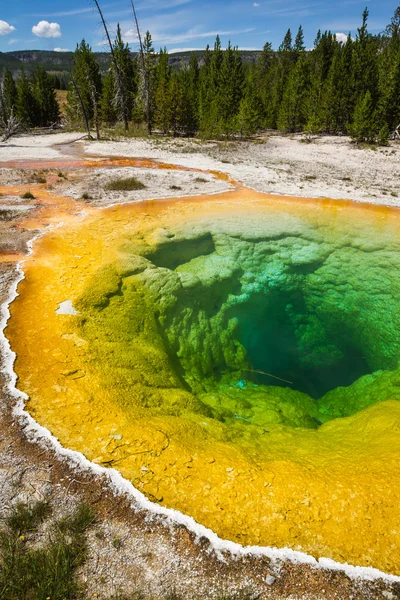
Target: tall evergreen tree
(365,67)
(144,106)
(108,110)
(125,93)
(87,79)
(250,116)
(210,85)
(293,110)
(230,90)
(319,62)
(189,80)
(365,126)
(163,98)
(299,41)
(26,106)
(9,93)
(47,109)
(338,100)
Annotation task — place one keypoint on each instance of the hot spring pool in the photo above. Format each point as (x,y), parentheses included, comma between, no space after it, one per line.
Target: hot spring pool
(235,357)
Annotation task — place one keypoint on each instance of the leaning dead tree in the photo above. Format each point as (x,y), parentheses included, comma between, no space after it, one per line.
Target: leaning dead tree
(144,71)
(121,92)
(11,126)
(83,109)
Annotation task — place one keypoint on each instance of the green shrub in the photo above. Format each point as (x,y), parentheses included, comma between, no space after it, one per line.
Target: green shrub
(124,185)
(28,196)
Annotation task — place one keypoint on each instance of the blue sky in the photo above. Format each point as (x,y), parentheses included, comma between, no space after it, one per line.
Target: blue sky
(181,24)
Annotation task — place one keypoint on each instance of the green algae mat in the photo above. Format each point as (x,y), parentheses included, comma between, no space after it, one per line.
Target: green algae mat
(236,358)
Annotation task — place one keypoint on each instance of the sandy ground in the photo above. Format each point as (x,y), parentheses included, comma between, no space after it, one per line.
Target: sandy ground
(130,551)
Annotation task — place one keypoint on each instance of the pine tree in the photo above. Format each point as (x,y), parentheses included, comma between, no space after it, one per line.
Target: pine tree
(44,95)
(209,101)
(87,78)
(365,67)
(163,99)
(365,126)
(144,106)
(205,92)
(320,61)
(176,104)
(389,73)
(108,111)
(231,84)
(286,45)
(124,97)
(299,41)
(293,110)
(250,115)
(9,93)
(264,75)
(26,109)
(283,66)
(189,82)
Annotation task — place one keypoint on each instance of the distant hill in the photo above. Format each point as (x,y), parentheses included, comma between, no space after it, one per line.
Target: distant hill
(60,63)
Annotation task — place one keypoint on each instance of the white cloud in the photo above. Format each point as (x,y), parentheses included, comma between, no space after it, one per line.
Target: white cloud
(255,4)
(5,28)
(65,13)
(44,29)
(165,37)
(62,50)
(175,50)
(341,38)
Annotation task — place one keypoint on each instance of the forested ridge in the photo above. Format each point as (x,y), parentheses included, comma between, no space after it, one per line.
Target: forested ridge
(338,88)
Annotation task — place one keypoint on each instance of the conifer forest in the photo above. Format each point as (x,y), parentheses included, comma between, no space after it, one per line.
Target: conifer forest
(337,87)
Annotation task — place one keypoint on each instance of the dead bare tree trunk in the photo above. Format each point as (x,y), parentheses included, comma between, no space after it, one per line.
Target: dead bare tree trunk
(145,73)
(11,126)
(95,113)
(93,94)
(84,113)
(120,83)
(2,104)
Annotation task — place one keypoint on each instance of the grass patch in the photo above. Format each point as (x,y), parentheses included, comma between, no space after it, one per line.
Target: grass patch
(175,187)
(8,215)
(86,196)
(28,196)
(394,194)
(30,571)
(310,177)
(124,185)
(61,175)
(200,180)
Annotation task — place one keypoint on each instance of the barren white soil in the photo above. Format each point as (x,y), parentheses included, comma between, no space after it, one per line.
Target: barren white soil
(159,184)
(329,167)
